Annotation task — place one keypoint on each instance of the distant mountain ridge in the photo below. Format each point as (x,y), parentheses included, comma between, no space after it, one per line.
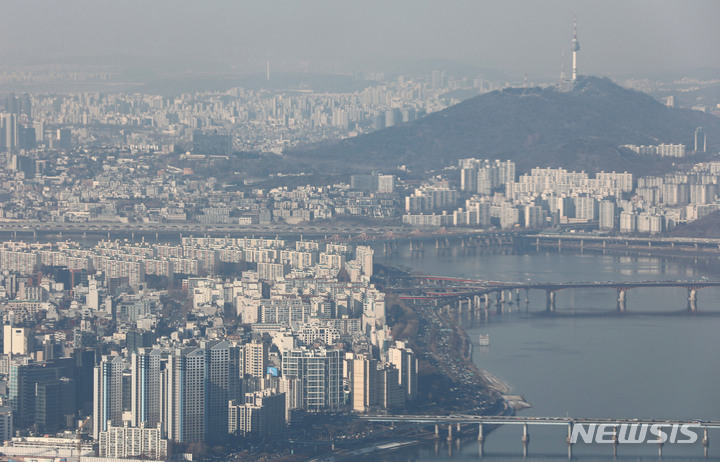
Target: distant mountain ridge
(579,129)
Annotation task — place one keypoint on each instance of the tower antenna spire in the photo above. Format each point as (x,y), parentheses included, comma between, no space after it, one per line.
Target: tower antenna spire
(575,49)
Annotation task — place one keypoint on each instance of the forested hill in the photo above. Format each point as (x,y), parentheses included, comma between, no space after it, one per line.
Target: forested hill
(705,227)
(579,129)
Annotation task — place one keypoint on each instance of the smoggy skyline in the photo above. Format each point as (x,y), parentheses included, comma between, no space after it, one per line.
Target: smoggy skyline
(516,36)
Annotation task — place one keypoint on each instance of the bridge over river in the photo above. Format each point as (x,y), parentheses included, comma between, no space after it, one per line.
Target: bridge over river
(613,431)
(473,293)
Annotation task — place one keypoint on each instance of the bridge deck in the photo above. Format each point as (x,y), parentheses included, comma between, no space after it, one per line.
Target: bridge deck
(520,420)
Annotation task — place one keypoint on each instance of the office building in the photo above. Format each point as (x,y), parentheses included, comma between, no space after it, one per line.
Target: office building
(6,423)
(23,388)
(54,404)
(16,340)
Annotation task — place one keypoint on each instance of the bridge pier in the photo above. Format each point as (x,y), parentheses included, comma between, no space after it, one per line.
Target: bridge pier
(692,300)
(660,445)
(525,439)
(550,305)
(569,440)
(615,440)
(706,442)
(621,299)
(527,298)
(449,436)
(437,431)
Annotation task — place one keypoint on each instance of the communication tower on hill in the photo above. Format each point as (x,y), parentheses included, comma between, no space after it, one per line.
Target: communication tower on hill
(575,49)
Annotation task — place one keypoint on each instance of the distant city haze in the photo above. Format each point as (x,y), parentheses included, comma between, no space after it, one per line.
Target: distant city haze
(617,37)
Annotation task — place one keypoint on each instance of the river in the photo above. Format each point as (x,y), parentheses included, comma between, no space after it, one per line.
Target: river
(655,362)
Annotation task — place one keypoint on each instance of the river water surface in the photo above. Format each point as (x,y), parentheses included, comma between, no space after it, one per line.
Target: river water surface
(656,361)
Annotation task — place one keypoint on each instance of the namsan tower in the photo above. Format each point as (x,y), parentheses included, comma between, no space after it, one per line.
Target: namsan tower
(575,48)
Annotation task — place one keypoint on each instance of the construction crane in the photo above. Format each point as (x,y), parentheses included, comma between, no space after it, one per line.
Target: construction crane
(78,433)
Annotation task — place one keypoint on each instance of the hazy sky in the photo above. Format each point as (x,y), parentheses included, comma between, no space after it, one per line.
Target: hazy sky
(512,35)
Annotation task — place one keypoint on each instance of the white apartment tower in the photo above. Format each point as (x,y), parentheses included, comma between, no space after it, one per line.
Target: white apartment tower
(320,372)
(363,383)
(607,214)
(406,363)
(255,356)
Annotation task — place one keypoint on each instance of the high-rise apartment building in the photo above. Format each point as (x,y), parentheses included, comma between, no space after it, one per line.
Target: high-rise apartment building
(255,356)
(146,387)
(186,396)
(320,372)
(107,394)
(223,383)
(9,131)
(607,214)
(363,383)
(406,362)
(263,413)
